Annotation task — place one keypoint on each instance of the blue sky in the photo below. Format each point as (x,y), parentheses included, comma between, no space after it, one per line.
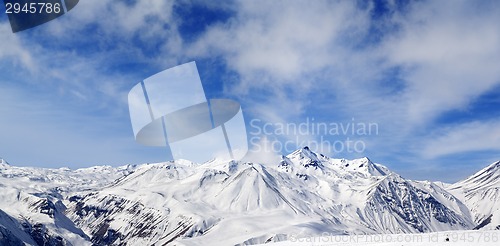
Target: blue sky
(426,72)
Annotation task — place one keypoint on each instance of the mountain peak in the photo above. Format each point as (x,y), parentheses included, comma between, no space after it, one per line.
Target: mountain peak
(305,157)
(481,192)
(494,166)
(3,162)
(304,152)
(485,177)
(368,166)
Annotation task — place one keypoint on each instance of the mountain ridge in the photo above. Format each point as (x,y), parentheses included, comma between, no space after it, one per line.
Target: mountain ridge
(481,193)
(223,203)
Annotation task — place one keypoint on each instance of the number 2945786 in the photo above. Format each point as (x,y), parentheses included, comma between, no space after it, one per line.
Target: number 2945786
(33,8)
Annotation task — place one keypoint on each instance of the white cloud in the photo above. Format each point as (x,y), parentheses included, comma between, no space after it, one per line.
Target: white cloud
(146,18)
(451,52)
(75,74)
(280,41)
(13,50)
(474,136)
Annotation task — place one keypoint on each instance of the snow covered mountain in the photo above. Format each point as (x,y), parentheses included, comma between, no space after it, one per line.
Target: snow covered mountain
(3,163)
(183,203)
(481,193)
(32,202)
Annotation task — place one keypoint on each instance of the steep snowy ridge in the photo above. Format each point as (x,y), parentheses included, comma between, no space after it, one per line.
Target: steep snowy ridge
(481,193)
(3,164)
(220,203)
(417,209)
(32,202)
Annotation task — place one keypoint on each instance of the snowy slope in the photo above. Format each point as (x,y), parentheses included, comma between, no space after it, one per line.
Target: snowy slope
(220,203)
(251,203)
(481,193)
(32,202)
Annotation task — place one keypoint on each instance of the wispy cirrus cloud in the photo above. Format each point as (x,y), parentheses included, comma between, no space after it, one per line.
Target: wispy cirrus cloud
(450,53)
(462,138)
(12,50)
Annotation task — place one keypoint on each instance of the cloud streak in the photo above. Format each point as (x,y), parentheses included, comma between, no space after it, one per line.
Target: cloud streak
(472,136)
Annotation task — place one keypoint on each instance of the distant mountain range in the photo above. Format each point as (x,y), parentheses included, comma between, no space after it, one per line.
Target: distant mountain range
(231,203)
